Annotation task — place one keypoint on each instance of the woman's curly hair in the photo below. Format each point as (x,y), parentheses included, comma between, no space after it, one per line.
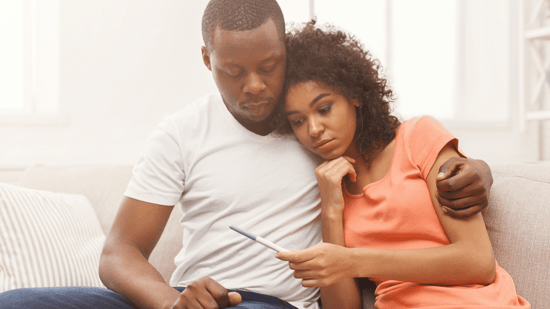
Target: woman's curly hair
(338,60)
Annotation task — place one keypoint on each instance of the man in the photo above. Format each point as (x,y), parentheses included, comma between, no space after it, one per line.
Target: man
(217,160)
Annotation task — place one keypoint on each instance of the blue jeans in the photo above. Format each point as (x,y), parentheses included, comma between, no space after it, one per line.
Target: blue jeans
(98,298)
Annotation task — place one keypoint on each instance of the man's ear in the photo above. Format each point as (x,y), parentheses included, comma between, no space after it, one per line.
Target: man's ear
(206,58)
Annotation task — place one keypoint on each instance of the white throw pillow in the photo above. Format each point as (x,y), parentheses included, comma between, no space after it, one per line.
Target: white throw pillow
(47,239)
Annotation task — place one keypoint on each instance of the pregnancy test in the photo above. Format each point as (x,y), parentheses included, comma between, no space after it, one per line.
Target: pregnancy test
(261,240)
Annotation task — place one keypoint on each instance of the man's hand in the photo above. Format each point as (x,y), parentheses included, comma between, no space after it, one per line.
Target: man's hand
(463,186)
(205,294)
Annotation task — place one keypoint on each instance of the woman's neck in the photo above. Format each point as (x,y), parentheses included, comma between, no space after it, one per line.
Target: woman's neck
(371,170)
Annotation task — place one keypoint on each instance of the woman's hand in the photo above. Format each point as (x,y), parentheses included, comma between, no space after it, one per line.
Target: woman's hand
(319,266)
(329,178)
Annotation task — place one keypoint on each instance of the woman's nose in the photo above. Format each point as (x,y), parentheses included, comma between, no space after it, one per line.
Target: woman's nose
(315,127)
(254,84)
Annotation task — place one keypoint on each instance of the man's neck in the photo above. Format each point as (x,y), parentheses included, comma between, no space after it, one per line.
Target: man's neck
(262,128)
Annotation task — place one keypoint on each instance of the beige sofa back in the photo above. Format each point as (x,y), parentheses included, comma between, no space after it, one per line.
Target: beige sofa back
(518,219)
(104,186)
(518,222)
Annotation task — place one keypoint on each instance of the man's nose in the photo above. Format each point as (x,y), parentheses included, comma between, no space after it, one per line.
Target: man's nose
(254,84)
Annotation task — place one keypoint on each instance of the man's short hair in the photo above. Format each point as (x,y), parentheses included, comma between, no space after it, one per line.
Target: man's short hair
(240,15)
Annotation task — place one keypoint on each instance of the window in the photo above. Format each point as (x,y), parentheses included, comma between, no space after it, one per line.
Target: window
(29,62)
(449,59)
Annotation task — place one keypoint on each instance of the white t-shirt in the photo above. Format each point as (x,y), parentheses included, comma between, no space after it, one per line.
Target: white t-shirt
(221,174)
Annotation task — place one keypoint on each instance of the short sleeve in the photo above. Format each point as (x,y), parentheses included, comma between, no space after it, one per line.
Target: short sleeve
(158,176)
(426,137)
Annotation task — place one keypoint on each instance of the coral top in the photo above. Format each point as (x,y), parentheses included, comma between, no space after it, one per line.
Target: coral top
(397,213)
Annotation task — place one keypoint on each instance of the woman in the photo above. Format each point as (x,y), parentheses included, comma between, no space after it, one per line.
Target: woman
(380,216)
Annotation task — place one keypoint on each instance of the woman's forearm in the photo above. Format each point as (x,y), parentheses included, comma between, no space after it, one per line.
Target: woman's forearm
(332,223)
(463,262)
(344,293)
(453,264)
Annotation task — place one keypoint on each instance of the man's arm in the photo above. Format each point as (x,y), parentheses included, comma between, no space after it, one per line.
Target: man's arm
(463,186)
(124,267)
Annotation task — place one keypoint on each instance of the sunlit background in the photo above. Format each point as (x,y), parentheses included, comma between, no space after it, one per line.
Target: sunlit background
(87,81)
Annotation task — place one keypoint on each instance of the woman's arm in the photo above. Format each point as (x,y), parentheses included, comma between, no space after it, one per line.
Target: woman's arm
(468,259)
(344,292)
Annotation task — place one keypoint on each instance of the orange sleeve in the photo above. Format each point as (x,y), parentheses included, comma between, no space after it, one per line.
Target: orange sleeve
(426,137)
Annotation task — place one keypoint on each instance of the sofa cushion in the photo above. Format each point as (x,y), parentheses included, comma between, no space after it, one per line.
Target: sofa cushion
(47,239)
(104,186)
(518,222)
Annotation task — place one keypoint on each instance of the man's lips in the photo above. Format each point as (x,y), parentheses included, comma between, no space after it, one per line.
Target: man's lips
(256,105)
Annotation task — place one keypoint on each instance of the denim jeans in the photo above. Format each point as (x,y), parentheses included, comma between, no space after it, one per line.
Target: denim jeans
(98,298)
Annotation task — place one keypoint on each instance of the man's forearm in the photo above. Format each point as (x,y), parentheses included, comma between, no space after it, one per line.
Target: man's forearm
(126,271)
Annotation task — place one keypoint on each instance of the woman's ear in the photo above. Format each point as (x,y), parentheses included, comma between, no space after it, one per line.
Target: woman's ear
(206,58)
(355,102)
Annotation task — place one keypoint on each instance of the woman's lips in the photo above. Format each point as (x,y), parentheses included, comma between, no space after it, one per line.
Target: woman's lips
(322,144)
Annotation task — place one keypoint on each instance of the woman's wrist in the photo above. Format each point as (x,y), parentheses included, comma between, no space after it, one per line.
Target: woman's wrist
(335,204)
(332,213)
(332,222)
(360,260)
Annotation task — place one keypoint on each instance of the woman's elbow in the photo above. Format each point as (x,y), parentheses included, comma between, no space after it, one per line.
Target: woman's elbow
(490,273)
(486,270)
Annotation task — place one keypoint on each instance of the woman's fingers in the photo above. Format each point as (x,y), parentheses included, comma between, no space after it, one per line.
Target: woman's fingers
(316,266)
(336,169)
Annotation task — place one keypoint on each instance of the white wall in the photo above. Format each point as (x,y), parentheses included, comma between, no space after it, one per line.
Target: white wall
(124,65)
(127,63)
(504,142)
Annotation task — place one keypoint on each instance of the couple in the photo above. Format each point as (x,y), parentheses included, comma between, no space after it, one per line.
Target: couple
(221,162)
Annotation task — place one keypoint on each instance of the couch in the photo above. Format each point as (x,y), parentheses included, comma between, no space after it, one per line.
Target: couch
(518,219)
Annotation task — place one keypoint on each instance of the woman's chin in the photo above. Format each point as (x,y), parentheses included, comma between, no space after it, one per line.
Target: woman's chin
(329,156)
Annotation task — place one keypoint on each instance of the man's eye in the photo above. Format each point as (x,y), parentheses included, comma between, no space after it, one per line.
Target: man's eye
(234,74)
(268,69)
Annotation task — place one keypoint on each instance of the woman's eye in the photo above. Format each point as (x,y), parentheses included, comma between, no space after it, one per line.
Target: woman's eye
(296,122)
(324,109)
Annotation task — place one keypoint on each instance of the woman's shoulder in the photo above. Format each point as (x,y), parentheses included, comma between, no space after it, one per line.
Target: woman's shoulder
(422,125)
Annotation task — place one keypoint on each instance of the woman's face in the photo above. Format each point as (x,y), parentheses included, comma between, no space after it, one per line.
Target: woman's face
(321,119)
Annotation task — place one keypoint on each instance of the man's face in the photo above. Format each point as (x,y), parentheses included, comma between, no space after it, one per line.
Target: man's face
(249,69)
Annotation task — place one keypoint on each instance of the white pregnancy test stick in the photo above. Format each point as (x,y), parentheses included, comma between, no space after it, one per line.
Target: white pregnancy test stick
(261,240)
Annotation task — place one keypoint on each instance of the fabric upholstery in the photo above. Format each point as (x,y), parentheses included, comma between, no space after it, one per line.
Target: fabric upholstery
(47,239)
(518,222)
(104,186)
(518,218)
